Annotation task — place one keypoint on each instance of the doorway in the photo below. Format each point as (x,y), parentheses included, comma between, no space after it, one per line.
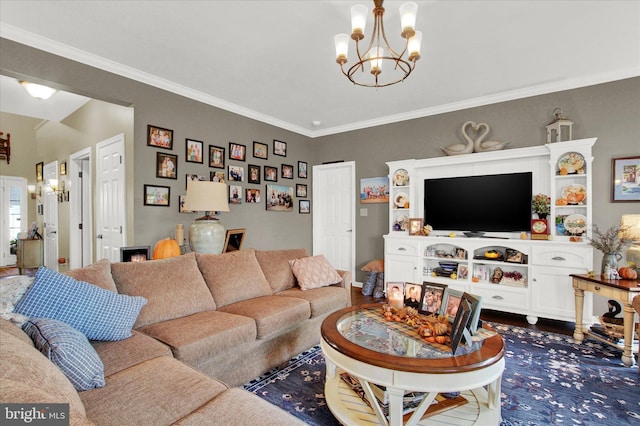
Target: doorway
(80,210)
(334,197)
(50,224)
(13,216)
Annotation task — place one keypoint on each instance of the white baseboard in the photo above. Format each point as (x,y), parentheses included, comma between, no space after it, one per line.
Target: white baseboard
(356,284)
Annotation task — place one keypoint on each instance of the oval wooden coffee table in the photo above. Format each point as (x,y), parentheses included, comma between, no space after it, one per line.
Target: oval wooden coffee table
(357,340)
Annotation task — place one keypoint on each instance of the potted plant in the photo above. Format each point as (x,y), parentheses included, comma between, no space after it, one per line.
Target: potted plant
(541,205)
(611,243)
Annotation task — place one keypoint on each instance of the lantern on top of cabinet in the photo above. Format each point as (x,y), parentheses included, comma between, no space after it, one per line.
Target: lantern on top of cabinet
(560,129)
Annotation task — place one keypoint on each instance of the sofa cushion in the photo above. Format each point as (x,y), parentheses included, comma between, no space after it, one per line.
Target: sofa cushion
(203,335)
(97,313)
(120,355)
(98,274)
(314,272)
(159,391)
(233,276)
(11,291)
(248,409)
(276,269)
(174,287)
(38,378)
(69,350)
(272,314)
(322,300)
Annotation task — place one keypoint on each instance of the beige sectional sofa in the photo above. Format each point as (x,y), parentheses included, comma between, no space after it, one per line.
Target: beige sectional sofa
(212,322)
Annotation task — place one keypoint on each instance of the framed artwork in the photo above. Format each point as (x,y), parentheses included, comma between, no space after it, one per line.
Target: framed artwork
(279,148)
(412,295)
(234,239)
(190,178)
(462,272)
(304,206)
(301,190)
(625,179)
(394,291)
(415,226)
(166,166)
(135,254)
(193,151)
(181,200)
(450,303)
(302,169)
(235,194)
(431,297)
(459,326)
(237,152)
(260,150)
(63,168)
(39,172)
(374,190)
(279,198)
(270,174)
(254,174)
(475,302)
(236,174)
(217,177)
(287,171)
(216,157)
(155,195)
(252,196)
(159,137)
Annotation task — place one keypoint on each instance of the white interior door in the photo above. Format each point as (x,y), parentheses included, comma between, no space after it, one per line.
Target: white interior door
(50,221)
(110,198)
(13,215)
(80,209)
(334,197)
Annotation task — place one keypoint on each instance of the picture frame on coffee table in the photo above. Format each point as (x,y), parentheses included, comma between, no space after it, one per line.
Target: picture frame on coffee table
(459,326)
(476,303)
(431,297)
(450,303)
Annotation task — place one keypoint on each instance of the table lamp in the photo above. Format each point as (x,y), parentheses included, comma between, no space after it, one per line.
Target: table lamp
(632,223)
(206,233)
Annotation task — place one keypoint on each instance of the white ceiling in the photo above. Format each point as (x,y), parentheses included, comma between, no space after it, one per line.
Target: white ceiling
(274,61)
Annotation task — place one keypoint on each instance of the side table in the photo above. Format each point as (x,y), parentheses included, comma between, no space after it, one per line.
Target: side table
(621,290)
(29,254)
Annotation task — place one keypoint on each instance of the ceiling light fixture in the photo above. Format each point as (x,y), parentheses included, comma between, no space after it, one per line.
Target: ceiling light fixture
(379,52)
(38,90)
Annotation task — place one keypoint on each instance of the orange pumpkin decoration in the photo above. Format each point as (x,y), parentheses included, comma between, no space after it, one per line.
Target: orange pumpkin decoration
(166,248)
(627,273)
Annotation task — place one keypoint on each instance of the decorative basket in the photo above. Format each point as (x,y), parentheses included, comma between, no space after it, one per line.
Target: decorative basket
(613,330)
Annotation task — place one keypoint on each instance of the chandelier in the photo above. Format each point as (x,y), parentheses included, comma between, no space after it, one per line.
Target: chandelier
(397,66)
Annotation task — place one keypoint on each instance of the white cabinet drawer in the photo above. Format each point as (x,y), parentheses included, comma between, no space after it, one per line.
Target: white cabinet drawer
(403,248)
(578,257)
(503,299)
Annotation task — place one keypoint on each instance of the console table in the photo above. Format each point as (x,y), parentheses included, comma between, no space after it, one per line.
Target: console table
(407,364)
(620,290)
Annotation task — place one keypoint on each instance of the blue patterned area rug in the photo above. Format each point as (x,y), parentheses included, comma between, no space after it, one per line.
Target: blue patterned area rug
(548,380)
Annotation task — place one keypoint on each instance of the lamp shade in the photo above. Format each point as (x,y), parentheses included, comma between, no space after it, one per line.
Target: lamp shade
(206,234)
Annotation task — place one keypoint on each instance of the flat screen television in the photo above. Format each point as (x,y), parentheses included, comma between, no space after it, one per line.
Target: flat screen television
(476,204)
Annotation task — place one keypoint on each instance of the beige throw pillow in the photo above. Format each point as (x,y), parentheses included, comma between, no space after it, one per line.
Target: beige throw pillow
(313,272)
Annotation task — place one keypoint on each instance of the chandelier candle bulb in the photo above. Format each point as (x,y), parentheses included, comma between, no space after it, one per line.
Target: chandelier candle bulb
(376,60)
(414,46)
(358,21)
(408,12)
(342,48)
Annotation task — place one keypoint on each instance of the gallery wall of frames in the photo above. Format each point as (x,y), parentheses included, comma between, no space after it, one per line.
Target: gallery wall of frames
(256,173)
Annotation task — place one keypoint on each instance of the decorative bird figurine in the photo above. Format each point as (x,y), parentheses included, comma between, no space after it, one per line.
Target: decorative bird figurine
(479,144)
(461,148)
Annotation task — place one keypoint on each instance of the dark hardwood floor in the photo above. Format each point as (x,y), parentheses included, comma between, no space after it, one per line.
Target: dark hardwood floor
(560,327)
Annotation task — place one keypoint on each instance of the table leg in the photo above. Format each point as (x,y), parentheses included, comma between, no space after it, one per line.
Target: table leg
(578,333)
(627,355)
(396,397)
(493,390)
(330,369)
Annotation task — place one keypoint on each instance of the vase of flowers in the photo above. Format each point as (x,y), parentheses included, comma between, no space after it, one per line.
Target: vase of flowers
(611,243)
(541,205)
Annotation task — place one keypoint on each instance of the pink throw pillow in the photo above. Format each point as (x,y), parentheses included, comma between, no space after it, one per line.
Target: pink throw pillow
(314,272)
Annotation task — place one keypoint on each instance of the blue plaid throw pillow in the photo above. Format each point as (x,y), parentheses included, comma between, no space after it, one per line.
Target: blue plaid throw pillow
(97,313)
(69,350)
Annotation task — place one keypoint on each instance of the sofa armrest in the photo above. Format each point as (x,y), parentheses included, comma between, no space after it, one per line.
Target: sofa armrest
(347,280)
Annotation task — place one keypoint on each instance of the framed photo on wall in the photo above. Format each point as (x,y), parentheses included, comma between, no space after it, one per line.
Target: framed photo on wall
(159,137)
(304,206)
(217,177)
(216,157)
(279,198)
(235,194)
(254,174)
(236,174)
(270,174)
(237,152)
(625,179)
(302,169)
(39,172)
(279,148)
(260,150)
(287,171)
(252,196)
(63,168)
(155,195)
(193,151)
(301,190)
(166,166)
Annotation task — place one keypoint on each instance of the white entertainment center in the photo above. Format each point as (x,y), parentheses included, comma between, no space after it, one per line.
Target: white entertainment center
(536,282)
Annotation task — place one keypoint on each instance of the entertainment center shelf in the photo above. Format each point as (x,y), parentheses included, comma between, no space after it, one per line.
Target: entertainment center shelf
(511,272)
